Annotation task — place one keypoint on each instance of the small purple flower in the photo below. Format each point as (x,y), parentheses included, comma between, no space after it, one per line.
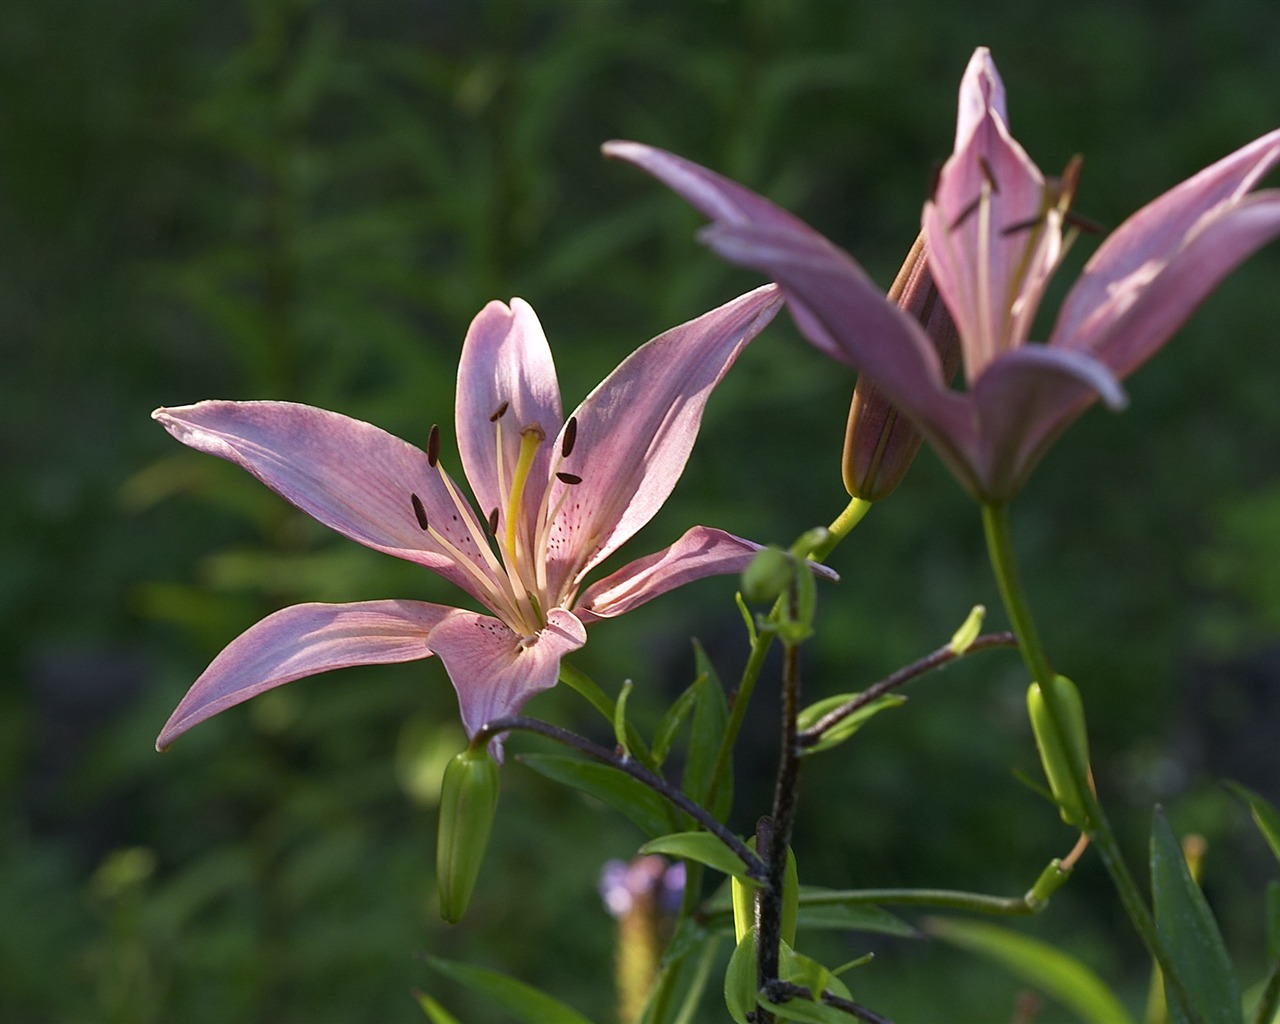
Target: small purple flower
(994,234)
(555,497)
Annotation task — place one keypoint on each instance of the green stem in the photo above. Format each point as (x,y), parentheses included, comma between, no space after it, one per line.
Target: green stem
(839,529)
(995,520)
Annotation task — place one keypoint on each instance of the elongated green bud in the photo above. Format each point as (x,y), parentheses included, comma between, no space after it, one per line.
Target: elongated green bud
(1053,755)
(744,901)
(468,801)
(880,444)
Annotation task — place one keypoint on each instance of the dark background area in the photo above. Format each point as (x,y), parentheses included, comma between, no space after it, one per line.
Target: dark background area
(309,201)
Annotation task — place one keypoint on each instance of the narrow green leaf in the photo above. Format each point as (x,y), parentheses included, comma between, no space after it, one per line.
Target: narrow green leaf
(524,1002)
(671,722)
(740,980)
(853,917)
(702,847)
(817,978)
(1055,973)
(618,790)
(846,728)
(437,1013)
(808,1011)
(1266,817)
(1189,932)
(710,718)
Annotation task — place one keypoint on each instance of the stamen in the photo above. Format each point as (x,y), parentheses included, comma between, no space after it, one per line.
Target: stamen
(1021,225)
(1083,223)
(570,436)
(966,213)
(493,521)
(433,446)
(569,478)
(420,512)
(499,412)
(988,174)
(495,585)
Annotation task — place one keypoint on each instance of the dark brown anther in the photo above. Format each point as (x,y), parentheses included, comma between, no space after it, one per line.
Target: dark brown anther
(433,446)
(568,478)
(1021,225)
(419,511)
(966,213)
(1082,223)
(570,436)
(499,412)
(988,174)
(493,521)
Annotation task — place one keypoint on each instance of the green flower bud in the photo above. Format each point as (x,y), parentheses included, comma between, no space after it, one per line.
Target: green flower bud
(1053,755)
(880,444)
(744,901)
(468,801)
(768,575)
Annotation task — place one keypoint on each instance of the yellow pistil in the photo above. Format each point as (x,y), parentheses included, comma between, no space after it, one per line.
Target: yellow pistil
(530,437)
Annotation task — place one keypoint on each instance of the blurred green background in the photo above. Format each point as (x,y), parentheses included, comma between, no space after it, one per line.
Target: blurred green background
(309,201)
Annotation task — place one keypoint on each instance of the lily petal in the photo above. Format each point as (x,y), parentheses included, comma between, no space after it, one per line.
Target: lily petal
(305,640)
(981,94)
(495,671)
(505,359)
(714,196)
(348,474)
(636,429)
(838,308)
(1024,400)
(992,243)
(1135,255)
(702,551)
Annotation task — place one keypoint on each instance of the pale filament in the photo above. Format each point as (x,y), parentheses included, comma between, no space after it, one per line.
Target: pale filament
(488,583)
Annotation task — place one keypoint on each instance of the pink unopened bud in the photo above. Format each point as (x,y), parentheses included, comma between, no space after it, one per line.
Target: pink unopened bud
(879,443)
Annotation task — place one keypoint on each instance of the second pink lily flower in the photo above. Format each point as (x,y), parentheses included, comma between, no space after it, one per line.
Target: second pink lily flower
(994,234)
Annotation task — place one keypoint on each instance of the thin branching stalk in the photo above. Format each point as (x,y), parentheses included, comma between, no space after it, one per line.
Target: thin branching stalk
(755,867)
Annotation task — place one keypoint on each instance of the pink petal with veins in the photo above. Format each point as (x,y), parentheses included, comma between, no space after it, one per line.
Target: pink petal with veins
(636,429)
(348,474)
(305,640)
(493,671)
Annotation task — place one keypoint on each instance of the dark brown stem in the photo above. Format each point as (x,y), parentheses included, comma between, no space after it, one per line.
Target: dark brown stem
(813,735)
(755,866)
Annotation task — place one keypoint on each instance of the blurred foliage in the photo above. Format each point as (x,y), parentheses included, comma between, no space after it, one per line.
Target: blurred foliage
(309,201)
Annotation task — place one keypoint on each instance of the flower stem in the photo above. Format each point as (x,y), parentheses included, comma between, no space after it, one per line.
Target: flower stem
(995,519)
(840,528)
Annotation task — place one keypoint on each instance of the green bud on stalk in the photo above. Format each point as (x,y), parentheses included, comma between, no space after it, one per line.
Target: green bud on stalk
(767,576)
(1056,758)
(468,801)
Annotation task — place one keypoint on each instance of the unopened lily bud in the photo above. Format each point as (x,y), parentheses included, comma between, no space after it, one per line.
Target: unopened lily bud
(1056,758)
(744,901)
(468,801)
(879,443)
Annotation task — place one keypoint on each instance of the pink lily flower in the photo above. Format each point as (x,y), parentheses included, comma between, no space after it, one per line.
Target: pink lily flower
(555,497)
(994,234)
